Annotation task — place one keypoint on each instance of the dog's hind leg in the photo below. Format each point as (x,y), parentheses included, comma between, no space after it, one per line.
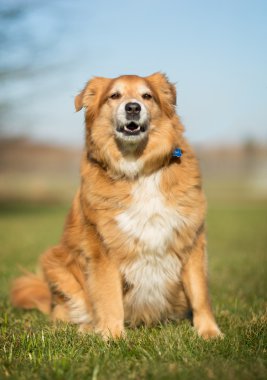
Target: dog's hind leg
(65,277)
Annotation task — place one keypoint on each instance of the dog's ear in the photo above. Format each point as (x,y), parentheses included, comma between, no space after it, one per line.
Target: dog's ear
(166,91)
(78,102)
(92,93)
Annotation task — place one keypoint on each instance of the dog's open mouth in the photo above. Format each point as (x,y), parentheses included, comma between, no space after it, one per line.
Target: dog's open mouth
(132,129)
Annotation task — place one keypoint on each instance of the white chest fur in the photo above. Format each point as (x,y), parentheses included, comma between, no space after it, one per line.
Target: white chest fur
(148,219)
(151,225)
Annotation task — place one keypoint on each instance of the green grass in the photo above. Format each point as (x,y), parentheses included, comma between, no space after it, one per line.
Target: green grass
(32,348)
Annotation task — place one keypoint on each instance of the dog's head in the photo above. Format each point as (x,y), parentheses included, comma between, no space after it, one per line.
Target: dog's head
(128,115)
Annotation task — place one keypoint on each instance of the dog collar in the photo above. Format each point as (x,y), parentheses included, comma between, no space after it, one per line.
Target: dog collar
(177,152)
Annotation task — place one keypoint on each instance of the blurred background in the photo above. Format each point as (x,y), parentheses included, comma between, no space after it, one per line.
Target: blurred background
(215,52)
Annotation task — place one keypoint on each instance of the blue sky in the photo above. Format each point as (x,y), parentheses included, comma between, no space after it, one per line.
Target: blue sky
(215,51)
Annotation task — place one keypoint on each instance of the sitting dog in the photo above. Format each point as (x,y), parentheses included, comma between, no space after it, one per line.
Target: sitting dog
(133,246)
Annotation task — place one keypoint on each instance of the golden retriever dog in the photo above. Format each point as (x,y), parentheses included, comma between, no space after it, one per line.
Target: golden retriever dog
(133,250)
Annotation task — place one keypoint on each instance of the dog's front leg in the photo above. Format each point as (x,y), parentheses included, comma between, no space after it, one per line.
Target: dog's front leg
(196,288)
(105,293)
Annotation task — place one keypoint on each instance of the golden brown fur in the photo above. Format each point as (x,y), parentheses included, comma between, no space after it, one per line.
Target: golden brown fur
(133,247)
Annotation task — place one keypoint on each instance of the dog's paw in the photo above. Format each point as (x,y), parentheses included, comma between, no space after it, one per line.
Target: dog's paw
(110,330)
(86,328)
(207,328)
(106,330)
(210,333)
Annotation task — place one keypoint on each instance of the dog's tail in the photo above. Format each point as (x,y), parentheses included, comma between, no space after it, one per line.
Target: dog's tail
(31,292)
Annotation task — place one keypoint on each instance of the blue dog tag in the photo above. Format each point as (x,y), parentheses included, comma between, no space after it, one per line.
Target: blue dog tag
(177,152)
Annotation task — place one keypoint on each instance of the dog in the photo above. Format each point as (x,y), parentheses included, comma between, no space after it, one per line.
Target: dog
(133,250)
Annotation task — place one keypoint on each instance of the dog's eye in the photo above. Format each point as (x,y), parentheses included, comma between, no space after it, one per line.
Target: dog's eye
(146,96)
(115,95)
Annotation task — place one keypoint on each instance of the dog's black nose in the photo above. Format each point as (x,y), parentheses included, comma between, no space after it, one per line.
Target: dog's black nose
(132,108)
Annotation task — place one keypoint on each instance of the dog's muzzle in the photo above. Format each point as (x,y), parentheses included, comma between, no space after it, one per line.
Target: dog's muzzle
(132,128)
(131,121)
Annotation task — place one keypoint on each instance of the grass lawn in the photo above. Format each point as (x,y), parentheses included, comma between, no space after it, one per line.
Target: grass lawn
(32,348)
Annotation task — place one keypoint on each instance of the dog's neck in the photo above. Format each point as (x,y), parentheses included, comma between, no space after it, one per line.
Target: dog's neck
(131,166)
(131,162)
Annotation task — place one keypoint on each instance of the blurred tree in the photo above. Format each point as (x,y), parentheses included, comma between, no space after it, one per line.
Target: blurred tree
(250,146)
(251,150)
(15,43)
(25,50)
